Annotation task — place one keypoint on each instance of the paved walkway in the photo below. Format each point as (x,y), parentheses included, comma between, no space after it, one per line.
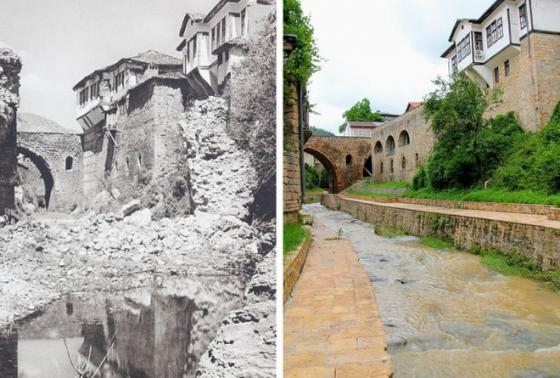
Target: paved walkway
(530,219)
(332,326)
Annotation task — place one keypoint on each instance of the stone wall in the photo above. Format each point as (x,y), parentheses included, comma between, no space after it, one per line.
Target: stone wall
(292,152)
(533,88)
(523,208)
(55,148)
(538,243)
(402,163)
(10,67)
(144,142)
(293,266)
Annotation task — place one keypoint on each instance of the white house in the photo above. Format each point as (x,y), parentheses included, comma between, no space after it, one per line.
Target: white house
(211,44)
(361,129)
(106,88)
(483,47)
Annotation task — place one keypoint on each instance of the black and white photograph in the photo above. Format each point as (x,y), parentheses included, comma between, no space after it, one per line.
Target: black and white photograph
(138,188)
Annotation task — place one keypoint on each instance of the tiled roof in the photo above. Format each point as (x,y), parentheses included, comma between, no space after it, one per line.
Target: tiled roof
(413,105)
(147,57)
(154,57)
(33,123)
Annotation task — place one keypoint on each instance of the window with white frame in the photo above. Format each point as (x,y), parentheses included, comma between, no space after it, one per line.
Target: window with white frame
(464,48)
(454,63)
(494,32)
(523,16)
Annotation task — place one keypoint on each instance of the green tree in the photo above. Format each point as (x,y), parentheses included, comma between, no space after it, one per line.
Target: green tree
(304,61)
(468,148)
(360,111)
(320,132)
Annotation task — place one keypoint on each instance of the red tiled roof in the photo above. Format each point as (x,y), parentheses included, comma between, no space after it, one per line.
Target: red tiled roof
(413,105)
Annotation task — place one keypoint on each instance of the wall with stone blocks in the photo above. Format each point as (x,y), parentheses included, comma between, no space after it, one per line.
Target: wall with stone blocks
(294,266)
(402,163)
(532,89)
(292,151)
(522,208)
(10,68)
(540,244)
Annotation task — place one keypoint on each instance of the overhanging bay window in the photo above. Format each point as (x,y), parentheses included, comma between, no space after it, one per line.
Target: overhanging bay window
(478,45)
(464,48)
(494,32)
(523,16)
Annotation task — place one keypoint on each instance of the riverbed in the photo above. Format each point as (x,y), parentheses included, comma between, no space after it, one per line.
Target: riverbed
(446,314)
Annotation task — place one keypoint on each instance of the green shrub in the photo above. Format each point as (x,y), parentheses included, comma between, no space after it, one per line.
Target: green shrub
(420,180)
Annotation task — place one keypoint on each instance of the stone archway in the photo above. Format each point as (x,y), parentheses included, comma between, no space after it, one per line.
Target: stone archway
(334,176)
(44,168)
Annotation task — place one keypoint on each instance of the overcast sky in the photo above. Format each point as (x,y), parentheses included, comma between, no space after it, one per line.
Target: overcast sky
(387,51)
(61,41)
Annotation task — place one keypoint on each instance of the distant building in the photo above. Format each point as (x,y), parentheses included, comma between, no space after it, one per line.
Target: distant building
(515,45)
(365,129)
(212,44)
(128,112)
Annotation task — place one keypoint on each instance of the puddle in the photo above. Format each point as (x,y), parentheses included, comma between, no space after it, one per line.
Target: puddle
(448,315)
(139,333)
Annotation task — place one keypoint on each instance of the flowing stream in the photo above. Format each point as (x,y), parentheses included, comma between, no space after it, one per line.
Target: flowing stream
(448,315)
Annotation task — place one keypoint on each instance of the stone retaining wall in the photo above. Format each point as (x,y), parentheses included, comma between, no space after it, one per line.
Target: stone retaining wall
(548,210)
(538,243)
(293,266)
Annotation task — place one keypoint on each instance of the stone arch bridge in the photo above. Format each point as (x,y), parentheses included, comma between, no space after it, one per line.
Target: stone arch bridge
(347,159)
(49,163)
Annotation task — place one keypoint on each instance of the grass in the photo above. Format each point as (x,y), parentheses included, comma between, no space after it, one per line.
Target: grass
(433,242)
(488,195)
(387,185)
(294,235)
(475,195)
(516,265)
(389,231)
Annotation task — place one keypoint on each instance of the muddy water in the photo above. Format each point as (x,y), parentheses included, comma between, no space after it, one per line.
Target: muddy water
(447,315)
(144,333)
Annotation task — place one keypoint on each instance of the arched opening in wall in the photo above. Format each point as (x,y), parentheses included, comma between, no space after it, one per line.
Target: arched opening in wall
(348,160)
(381,168)
(378,149)
(127,166)
(37,180)
(392,166)
(320,171)
(68,163)
(403,162)
(390,145)
(368,168)
(404,138)
(139,160)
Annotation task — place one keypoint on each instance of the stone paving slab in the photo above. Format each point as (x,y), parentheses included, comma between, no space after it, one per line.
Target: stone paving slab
(528,219)
(332,325)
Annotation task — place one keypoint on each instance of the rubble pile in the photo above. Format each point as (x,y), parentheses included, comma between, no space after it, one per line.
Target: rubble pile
(112,252)
(223,180)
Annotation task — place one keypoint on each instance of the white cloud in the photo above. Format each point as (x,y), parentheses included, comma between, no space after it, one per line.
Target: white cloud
(385,51)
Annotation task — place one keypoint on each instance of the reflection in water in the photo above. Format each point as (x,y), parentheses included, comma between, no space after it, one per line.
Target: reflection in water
(135,334)
(447,315)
